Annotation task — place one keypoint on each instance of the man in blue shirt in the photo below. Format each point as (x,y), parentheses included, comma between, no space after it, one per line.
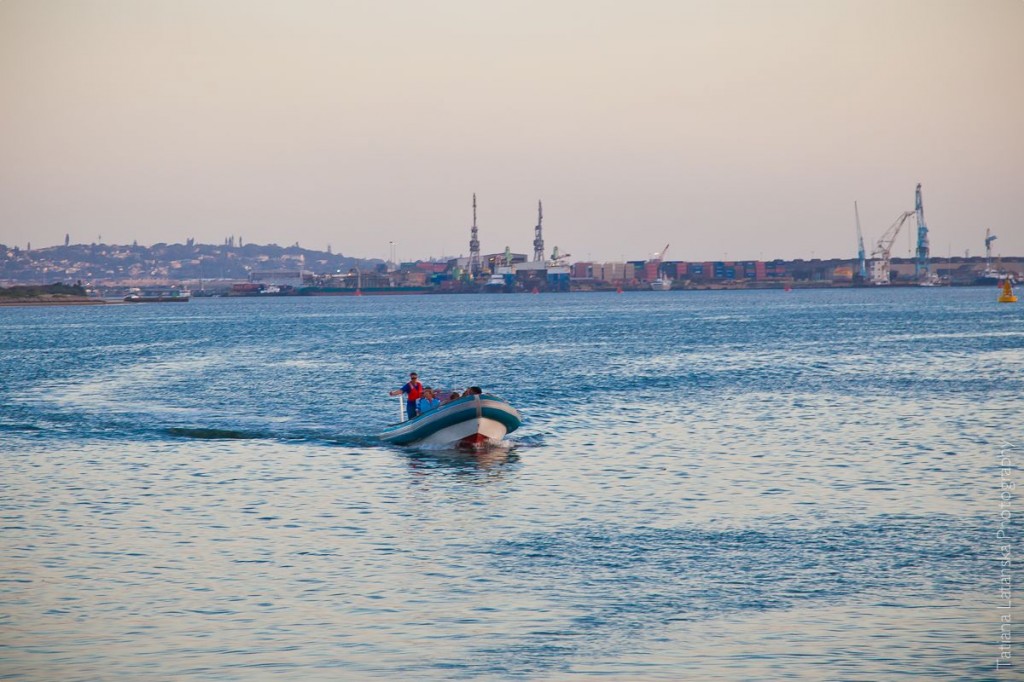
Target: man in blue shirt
(429,401)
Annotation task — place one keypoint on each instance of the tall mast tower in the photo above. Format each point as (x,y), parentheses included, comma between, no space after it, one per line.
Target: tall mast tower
(861,259)
(921,264)
(474,245)
(538,237)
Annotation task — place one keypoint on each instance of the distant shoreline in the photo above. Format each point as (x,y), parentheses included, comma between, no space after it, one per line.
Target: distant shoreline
(48,294)
(34,301)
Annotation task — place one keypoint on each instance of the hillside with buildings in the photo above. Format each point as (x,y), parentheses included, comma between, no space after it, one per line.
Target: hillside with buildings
(117,265)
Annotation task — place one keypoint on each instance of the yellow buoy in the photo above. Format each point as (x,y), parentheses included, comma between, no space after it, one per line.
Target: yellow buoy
(1007,295)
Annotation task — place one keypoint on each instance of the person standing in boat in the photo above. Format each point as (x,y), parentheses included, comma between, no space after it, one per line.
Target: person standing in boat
(413,392)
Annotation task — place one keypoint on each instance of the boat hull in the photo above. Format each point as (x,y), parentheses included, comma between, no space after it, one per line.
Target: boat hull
(159,295)
(469,421)
(156,299)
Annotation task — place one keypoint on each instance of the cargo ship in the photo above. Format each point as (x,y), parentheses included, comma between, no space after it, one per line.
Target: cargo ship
(993,277)
(364,291)
(158,295)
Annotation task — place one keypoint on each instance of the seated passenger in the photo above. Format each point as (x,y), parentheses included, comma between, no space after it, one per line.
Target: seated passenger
(429,401)
(453,397)
(474,390)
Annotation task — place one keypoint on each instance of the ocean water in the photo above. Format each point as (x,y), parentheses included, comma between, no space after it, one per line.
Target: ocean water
(707,486)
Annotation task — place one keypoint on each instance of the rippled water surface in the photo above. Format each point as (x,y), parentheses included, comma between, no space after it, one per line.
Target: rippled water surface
(708,485)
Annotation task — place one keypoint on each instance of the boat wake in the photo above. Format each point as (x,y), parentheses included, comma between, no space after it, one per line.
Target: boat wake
(215,434)
(307,436)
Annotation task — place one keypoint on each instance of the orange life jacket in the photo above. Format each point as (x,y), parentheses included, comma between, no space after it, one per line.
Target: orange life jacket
(415,390)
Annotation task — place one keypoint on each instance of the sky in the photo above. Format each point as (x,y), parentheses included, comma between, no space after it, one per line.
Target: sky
(730,129)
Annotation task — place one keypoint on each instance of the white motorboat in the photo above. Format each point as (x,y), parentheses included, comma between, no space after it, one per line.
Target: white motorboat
(470,421)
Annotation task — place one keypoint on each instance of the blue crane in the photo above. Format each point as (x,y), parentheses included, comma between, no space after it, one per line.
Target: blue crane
(921,263)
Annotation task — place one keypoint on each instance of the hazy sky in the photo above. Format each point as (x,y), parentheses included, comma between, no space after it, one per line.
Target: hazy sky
(732,129)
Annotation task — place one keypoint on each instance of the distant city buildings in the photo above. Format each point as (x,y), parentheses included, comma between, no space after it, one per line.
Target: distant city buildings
(254,269)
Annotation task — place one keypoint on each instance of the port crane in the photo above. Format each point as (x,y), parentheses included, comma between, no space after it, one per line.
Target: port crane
(538,234)
(659,258)
(882,254)
(474,245)
(559,258)
(861,260)
(662,282)
(989,238)
(921,264)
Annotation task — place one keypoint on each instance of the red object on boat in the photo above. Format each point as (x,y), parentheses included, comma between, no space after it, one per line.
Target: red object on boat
(476,440)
